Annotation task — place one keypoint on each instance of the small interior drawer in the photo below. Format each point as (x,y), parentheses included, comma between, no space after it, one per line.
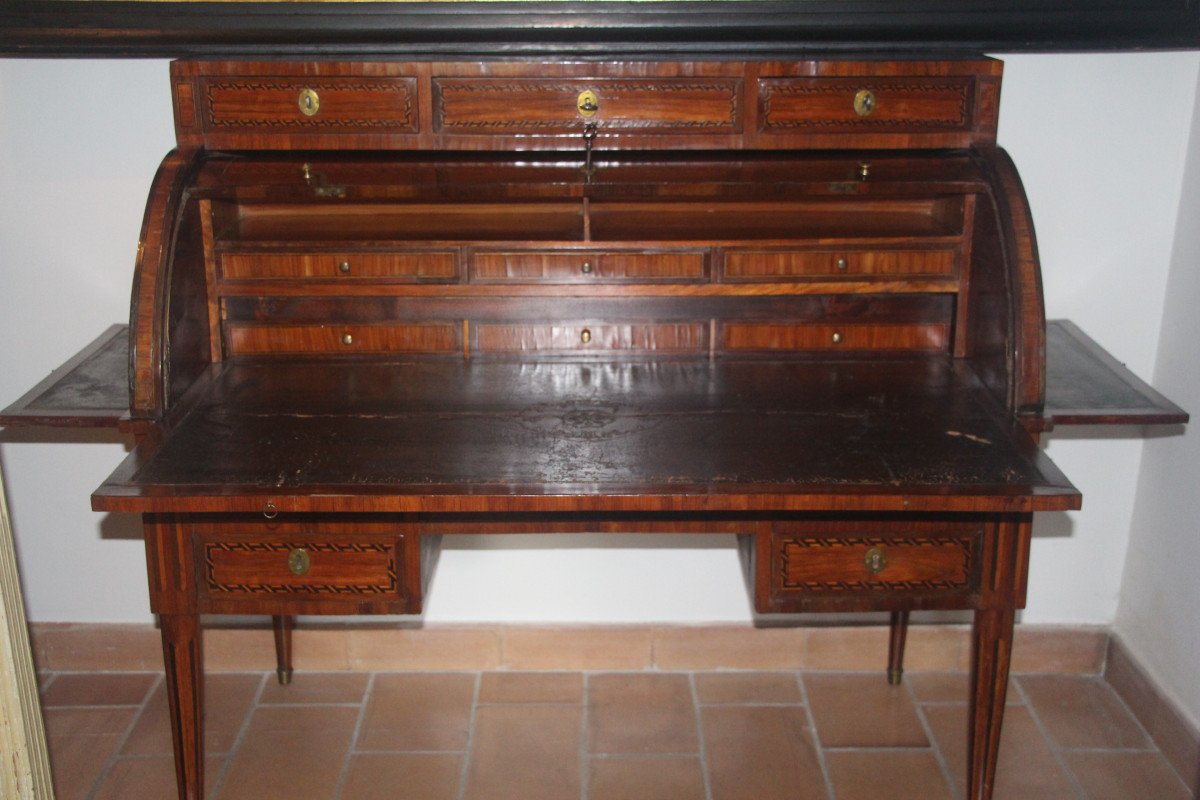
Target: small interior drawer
(769,265)
(584,266)
(342,339)
(583,338)
(418,266)
(777,336)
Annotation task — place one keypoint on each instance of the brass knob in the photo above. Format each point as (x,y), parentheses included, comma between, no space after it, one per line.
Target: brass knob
(587,103)
(876,560)
(299,562)
(309,102)
(864,170)
(842,264)
(586,268)
(347,339)
(585,336)
(344,267)
(270,511)
(836,338)
(864,102)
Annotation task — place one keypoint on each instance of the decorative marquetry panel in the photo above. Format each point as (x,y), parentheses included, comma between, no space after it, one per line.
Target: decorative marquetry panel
(515,105)
(843,564)
(835,104)
(334,568)
(266,103)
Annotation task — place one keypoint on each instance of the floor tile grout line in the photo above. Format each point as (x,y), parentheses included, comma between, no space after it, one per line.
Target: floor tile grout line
(223,774)
(585,763)
(465,770)
(352,748)
(1051,743)
(115,755)
(938,755)
(701,743)
(818,748)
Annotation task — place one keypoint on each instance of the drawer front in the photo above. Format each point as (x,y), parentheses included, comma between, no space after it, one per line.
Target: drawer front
(765,265)
(587,267)
(326,105)
(599,338)
(766,336)
(933,562)
(560,106)
(302,565)
(348,339)
(831,105)
(432,266)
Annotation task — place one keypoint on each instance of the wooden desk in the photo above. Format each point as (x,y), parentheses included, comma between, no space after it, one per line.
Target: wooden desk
(795,301)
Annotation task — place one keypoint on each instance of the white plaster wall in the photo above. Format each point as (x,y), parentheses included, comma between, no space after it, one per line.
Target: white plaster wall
(1099,140)
(1160,592)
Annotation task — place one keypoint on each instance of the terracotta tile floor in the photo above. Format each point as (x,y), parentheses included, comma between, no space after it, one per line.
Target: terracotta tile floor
(597,736)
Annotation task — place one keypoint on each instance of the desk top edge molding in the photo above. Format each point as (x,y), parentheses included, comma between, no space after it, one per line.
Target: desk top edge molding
(69,28)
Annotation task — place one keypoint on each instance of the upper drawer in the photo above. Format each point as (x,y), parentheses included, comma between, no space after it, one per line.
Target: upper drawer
(408,267)
(265,104)
(584,266)
(869,103)
(565,105)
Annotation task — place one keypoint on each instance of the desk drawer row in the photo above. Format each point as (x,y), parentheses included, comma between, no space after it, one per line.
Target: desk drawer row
(374,105)
(597,266)
(295,566)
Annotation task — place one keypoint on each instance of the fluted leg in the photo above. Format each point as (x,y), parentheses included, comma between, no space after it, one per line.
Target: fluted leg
(181,637)
(991,656)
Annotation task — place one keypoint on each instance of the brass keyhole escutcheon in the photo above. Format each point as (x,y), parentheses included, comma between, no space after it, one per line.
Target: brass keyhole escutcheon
(587,103)
(876,560)
(864,102)
(585,336)
(309,102)
(299,562)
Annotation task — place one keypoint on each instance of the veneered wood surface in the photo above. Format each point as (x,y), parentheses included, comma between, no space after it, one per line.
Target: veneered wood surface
(623,435)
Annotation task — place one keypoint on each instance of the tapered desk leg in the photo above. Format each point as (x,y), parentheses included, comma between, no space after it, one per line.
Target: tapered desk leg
(899,632)
(283,648)
(991,656)
(181,636)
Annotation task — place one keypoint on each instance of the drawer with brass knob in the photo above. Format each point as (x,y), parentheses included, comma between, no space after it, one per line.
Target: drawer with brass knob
(919,104)
(588,266)
(250,338)
(247,105)
(413,266)
(826,563)
(755,265)
(590,338)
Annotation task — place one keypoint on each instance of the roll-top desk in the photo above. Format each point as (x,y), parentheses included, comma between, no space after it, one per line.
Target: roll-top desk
(799,302)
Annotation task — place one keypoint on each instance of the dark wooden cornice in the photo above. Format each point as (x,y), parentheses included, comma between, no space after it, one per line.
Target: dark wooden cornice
(120,28)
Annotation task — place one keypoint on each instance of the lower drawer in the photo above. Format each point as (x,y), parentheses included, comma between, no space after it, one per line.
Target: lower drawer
(870,565)
(584,338)
(772,336)
(307,568)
